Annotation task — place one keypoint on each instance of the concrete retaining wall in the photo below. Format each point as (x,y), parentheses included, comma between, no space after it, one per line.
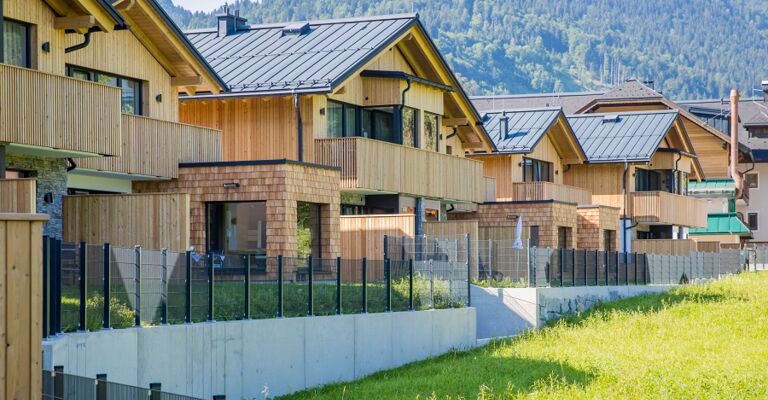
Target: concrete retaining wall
(507,312)
(248,359)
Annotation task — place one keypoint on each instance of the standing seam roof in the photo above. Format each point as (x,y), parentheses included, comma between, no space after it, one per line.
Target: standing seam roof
(525,128)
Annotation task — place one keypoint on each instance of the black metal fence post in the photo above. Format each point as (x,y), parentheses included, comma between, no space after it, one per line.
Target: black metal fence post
(279,286)
(58,381)
(597,269)
(46,274)
(310,300)
(247,305)
(155,391)
(83,286)
(365,286)
(106,323)
(338,285)
(211,277)
(388,273)
(164,288)
(137,283)
(560,262)
(606,260)
(573,267)
(626,269)
(188,289)
(410,284)
(56,287)
(585,267)
(101,386)
(469,273)
(617,268)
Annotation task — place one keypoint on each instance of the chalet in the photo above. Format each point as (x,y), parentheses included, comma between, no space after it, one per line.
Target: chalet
(322,119)
(534,148)
(98,88)
(640,162)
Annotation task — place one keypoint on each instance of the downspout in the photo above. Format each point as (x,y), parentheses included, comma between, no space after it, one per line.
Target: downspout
(72,165)
(299,128)
(674,173)
(402,106)
(86,40)
(625,193)
(734,159)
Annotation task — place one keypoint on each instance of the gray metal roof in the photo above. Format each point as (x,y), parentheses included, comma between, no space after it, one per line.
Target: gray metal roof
(265,60)
(519,131)
(619,137)
(570,101)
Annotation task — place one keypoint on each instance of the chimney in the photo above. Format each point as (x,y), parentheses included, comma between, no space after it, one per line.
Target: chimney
(734,159)
(229,23)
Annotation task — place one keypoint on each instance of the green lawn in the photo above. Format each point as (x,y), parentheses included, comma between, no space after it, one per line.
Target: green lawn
(697,342)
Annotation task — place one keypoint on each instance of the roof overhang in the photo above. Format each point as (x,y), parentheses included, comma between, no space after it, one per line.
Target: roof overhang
(405,77)
(156,30)
(84,15)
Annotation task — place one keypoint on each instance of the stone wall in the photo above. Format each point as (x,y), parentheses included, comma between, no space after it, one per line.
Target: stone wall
(51,176)
(281,184)
(547,215)
(593,221)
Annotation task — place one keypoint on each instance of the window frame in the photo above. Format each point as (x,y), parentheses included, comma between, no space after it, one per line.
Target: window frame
(93,75)
(534,238)
(427,115)
(28,33)
(759,132)
(533,164)
(756,214)
(757,180)
(344,107)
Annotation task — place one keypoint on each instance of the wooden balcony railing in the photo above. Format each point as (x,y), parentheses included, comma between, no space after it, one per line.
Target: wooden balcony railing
(532,191)
(45,110)
(669,209)
(377,166)
(18,196)
(153,147)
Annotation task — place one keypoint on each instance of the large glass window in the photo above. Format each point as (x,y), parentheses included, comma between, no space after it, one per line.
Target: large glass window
(379,123)
(537,171)
(308,230)
(752,221)
(647,180)
(17,43)
(131,93)
(237,228)
(758,132)
(431,131)
(342,119)
(410,127)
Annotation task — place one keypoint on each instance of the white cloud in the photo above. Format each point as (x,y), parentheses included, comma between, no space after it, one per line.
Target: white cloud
(199,5)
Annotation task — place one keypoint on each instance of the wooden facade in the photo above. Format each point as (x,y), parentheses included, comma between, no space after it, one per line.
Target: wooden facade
(669,209)
(21,304)
(670,247)
(72,115)
(363,235)
(374,166)
(18,196)
(153,147)
(533,191)
(153,221)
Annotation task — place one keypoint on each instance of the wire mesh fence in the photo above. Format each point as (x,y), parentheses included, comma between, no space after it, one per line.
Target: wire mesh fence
(57,385)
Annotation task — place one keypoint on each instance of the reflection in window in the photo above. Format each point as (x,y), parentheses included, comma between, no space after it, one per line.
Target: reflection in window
(431,126)
(237,228)
(537,171)
(308,234)
(410,127)
(16,43)
(335,114)
(378,123)
(130,89)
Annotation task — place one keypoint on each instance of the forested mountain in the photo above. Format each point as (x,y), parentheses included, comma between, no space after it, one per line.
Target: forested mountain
(689,48)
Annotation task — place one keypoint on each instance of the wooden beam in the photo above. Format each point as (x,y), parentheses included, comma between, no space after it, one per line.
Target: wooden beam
(187,80)
(124,5)
(455,121)
(78,22)
(191,90)
(473,145)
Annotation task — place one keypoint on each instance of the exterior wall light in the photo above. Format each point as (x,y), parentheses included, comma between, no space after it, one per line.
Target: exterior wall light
(231,185)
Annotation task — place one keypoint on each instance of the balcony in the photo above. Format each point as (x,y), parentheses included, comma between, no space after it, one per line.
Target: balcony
(534,191)
(374,166)
(154,148)
(664,208)
(65,115)
(18,196)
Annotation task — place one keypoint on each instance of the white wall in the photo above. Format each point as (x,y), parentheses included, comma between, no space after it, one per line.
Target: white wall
(243,359)
(507,312)
(758,201)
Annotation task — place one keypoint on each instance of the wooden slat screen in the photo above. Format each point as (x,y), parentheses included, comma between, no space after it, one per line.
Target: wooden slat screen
(532,191)
(18,195)
(363,235)
(669,208)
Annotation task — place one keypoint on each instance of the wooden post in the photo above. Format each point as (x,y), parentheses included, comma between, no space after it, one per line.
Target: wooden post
(21,308)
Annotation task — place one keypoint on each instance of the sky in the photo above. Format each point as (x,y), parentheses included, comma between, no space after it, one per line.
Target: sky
(199,5)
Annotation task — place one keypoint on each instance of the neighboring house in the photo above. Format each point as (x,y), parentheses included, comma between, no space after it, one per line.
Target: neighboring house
(90,103)
(326,118)
(639,162)
(753,133)
(534,148)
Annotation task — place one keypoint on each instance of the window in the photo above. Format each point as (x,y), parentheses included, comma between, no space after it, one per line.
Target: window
(17,43)
(752,180)
(563,236)
(647,180)
(131,90)
(534,237)
(237,228)
(378,123)
(431,131)
(609,240)
(537,171)
(19,174)
(752,222)
(342,119)
(758,132)
(410,127)
(682,183)
(308,234)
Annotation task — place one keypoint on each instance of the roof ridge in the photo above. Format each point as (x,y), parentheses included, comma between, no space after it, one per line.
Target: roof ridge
(644,112)
(524,95)
(521,110)
(329,21)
